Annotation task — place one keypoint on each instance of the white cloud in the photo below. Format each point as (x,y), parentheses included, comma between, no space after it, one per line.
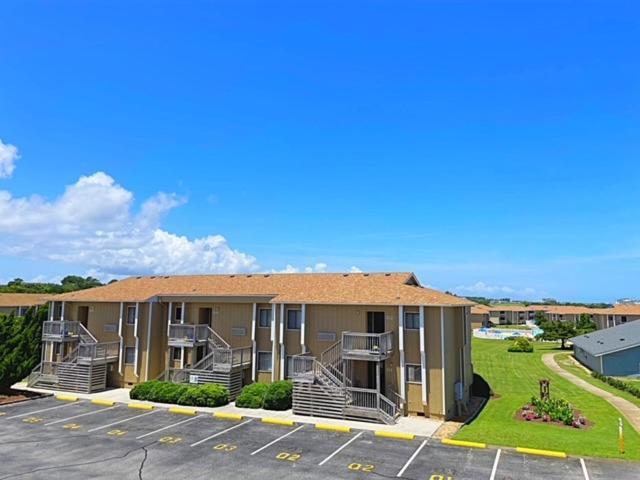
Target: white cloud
(355,269)
(8,157)
(93,224)
(481,288)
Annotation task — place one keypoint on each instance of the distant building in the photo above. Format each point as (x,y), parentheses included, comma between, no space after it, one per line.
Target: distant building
(613,351)
(19,303)
(479,316)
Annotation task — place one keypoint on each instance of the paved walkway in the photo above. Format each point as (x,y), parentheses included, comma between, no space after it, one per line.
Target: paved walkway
(628,409)
(414,425)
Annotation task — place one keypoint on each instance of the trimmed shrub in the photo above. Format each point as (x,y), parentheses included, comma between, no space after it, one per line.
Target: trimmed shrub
(619,384)
(278,395)
(252,395)
(209,395)
(521,345)
(556,409)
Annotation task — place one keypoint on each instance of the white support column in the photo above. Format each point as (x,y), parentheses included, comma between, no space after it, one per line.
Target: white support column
(52,309)
(274,366)
(282,348)
(137,344)
(303,347)
(254,353)
(444,393)
(62,312)
(120,357)
(148,345)
(183,314)
(423,357)
(401,348)
(169,311)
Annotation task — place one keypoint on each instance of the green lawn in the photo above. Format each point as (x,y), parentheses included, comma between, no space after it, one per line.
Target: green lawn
(512,327)
(514,379)
(569,365)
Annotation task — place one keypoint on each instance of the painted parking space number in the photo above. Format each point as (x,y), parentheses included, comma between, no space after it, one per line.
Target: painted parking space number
(32,420)
(170,440)
(289,457)
(438,476)
(2,414)
(225,447)
(117,433)
(359,467)
(72,426)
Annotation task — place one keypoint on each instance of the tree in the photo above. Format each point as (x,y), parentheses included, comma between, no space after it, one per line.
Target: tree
(558,331)
(20,344)
(540,318)
(585,324)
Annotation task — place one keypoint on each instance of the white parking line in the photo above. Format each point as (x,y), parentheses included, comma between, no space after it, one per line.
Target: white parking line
(43,410)
(339,450)
(167,427)
(584,469)
(121,421)
(81,415)
(277,440)
(219,433)
(495,465)
(415,454)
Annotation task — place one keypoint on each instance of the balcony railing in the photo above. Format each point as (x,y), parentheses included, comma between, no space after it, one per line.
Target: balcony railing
(302,367)
(182,335)
(60,331)
(367,346)
(98,352)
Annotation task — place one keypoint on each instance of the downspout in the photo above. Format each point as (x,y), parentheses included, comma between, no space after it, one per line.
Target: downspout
(444,395)
(423,358)
(148,346)
(273,342)
(282,351)
(135,335)
(401,348)
(62,312)
(53,307)
(120,359)
(182,315)
(303,347)
(254,353)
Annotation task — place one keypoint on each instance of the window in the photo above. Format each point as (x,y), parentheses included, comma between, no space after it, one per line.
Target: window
(177,354)
(131,315)
(411,320)
(129,355)
(264,361)
(414,373)
(179,314)
(623,319)
(294,319)
(264,318)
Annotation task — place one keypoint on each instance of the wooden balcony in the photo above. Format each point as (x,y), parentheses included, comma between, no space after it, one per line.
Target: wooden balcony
(183,335)
(60,331)
(367,346)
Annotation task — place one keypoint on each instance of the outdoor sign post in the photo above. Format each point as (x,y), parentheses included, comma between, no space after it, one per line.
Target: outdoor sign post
(620,436)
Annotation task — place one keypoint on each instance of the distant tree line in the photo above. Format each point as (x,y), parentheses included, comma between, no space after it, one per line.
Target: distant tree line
(545,301)
(70,283)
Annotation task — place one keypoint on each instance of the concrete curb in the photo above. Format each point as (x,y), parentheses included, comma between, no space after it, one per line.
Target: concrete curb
(103,403)
(140,406)
(278,421)
(67,398)
(333,428)
(463,443)
(542,453)
(227,416)
(183,411)
(394,435)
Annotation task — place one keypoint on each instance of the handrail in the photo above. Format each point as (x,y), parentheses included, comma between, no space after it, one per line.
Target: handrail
(379,344)
(83,330)
(215,337)
(59,329)
(98,351)
(188,333)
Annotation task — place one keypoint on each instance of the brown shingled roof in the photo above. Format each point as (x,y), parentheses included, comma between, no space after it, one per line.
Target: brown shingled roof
(22,299)
(326,288)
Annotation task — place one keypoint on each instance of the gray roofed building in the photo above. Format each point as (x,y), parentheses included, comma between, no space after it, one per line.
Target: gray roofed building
(613,351)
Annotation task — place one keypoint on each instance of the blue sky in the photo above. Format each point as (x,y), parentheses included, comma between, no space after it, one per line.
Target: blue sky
(490,147)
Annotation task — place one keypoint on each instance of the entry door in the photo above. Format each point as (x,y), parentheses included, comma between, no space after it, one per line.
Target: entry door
(206,317)
(375,324)
(83,316)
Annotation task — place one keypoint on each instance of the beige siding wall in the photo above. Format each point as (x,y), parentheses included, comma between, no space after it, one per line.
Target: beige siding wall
(320,319)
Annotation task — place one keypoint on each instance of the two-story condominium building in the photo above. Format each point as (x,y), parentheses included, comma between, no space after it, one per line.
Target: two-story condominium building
(19,303)
(357,345)
(616,315)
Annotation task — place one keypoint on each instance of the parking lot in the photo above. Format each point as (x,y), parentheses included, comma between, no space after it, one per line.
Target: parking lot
(77,440)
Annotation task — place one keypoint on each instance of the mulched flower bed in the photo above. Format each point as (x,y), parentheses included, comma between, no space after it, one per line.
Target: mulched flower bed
(13,396)
(528,414)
